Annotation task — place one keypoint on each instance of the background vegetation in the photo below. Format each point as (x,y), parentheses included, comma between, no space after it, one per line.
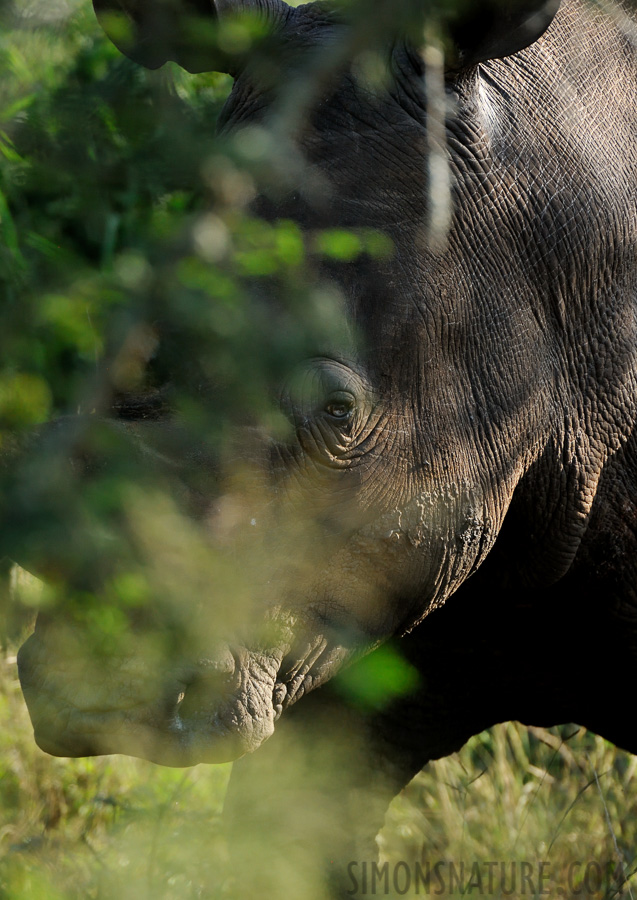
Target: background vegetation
(119,213)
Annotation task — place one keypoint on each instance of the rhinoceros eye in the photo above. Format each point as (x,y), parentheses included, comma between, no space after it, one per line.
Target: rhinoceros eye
(340,405)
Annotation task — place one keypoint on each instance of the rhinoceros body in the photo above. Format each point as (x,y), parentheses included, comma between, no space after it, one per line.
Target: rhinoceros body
(471,453)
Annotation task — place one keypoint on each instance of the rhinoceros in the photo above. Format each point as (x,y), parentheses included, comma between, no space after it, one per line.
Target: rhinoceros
(467,462)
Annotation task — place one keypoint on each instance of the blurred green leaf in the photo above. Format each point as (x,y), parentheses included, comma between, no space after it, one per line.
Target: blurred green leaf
(337,244)
(25,399)
(377,679)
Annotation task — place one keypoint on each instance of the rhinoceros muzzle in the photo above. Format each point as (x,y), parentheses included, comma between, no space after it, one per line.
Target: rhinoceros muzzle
(175,714)
(214,711)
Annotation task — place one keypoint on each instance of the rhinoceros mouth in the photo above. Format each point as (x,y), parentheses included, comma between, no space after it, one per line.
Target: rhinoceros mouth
(307,668)
(132,710)
(214,711)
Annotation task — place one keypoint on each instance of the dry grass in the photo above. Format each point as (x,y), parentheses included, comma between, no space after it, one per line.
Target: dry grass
(110,827)
(515,795)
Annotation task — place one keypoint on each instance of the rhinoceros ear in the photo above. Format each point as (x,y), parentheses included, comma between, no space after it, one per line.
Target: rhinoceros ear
(152,32)
(492,29)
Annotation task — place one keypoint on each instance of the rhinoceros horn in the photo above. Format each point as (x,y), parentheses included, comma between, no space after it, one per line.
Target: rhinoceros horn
(152,32)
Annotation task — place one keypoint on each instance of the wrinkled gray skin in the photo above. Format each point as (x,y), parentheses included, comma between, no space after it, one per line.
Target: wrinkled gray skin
(485,429)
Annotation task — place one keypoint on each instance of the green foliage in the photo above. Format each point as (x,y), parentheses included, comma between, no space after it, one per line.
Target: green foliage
(130,265)
(24,399)
(346,246)
(379,678)
(122,220)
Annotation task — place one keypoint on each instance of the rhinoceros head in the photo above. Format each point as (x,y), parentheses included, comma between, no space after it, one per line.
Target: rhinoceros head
(407,442)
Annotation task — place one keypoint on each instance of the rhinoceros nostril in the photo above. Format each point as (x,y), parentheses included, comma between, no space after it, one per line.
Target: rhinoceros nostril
(208,683)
